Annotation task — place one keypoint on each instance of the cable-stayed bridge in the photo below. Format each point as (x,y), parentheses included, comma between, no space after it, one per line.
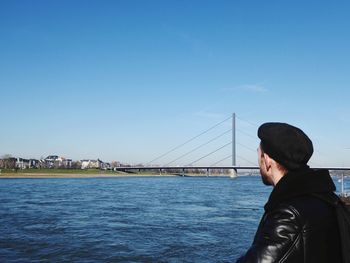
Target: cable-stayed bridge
(214,139)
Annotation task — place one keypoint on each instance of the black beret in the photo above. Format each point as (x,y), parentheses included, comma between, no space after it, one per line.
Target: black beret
(286,144)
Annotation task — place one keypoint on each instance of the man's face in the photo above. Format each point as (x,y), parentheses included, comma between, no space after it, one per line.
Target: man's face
(262,167)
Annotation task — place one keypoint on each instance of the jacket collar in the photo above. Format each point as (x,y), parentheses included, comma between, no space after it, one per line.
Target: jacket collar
(301,182)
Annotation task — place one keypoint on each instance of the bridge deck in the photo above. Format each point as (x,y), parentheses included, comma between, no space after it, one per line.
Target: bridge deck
(212,167)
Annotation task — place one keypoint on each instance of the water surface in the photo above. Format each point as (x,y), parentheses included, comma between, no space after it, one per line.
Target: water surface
(137,219)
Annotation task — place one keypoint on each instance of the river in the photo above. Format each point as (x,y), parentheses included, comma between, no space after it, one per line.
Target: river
(134,219)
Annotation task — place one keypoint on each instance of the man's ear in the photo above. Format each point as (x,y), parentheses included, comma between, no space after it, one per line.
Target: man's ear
(267,161)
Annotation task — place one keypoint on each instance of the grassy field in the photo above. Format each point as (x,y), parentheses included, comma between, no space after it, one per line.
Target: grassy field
(52,173)
(47,173)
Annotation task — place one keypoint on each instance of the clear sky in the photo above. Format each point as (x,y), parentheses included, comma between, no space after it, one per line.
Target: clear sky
(130,80)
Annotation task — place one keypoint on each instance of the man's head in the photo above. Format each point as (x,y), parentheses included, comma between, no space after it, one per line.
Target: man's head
(282,146)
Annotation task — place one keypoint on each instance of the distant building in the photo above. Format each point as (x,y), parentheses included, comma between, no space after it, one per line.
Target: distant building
(94,164)
(67,163)
(34,163)
(8,163)
(50,161)
(54,161)
(115,164)
(89,164)
(106,166)
(22,163)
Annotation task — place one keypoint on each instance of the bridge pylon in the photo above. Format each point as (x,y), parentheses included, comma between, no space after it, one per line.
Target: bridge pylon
(233,172)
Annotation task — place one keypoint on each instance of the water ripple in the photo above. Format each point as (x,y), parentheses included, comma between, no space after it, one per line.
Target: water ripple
(168,219)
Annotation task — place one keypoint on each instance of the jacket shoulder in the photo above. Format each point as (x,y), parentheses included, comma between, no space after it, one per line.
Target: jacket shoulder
(308,210)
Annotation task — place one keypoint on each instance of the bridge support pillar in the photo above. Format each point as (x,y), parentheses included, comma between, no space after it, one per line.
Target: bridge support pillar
(234,139)
(233,172)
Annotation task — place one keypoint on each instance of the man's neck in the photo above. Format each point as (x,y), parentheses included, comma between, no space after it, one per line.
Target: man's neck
(277,175)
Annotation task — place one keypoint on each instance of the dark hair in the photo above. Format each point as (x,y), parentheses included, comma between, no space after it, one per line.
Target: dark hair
(280,167)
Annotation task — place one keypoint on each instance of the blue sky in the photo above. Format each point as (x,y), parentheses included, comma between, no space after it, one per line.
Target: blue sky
(129,80)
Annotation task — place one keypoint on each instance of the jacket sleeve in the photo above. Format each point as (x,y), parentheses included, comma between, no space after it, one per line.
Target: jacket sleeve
(277,238)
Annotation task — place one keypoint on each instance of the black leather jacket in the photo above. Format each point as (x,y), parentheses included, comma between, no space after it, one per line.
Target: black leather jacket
(297,226)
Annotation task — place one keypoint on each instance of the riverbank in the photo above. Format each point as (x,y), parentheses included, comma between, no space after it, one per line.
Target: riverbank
(73,175)
(88,173)
(64,173)
(77,175)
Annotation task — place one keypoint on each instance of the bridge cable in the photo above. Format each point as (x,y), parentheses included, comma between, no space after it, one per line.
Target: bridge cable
(200,146)
(221,160)
(249,122)
(247,134)
(182,144)
(250,149)
(210,153)
(240,157)
(230,157)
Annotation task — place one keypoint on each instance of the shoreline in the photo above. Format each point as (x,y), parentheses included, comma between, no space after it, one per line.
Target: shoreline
(75,175)
(97,175)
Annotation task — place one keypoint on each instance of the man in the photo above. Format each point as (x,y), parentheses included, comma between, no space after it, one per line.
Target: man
(297,225)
